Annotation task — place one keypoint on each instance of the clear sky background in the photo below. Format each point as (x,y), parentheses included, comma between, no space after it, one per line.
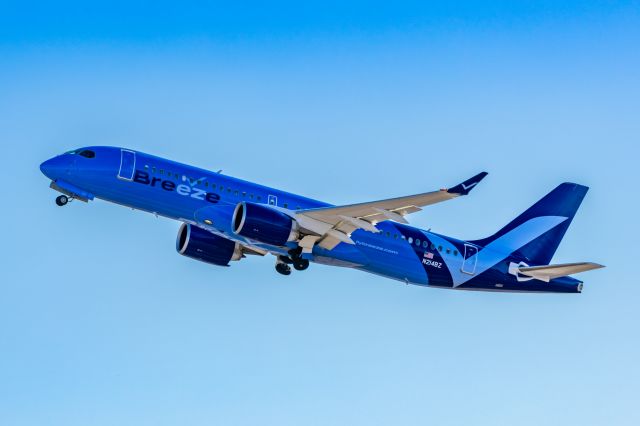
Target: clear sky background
(103,323)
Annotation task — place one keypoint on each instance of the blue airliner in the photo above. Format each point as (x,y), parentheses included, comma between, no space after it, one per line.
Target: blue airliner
(225,219)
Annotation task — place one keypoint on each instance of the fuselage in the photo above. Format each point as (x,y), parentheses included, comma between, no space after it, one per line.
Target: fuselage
(181,192)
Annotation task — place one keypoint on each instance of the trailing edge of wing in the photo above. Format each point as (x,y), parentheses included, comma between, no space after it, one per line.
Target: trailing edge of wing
(549,272)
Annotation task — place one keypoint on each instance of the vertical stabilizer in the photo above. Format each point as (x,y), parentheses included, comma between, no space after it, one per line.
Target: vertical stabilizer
(560,205)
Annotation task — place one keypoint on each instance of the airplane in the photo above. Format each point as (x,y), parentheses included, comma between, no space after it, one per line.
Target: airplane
(226,219)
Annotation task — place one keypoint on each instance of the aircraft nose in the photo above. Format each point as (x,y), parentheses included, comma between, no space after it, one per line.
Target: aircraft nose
(52,168)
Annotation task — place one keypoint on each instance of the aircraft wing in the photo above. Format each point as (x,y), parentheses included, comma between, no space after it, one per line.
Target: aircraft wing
(549,272)
(335,224)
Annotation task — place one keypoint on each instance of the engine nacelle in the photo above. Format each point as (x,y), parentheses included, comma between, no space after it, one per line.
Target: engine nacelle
(205,246)
(263,224)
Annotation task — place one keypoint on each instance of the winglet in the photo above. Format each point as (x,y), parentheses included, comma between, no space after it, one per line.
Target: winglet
(465,187)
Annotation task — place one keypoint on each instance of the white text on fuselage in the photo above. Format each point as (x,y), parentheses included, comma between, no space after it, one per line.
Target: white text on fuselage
(432,263)
(371,246)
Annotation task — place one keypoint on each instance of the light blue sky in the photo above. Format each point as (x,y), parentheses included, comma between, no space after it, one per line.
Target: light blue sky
(102,323)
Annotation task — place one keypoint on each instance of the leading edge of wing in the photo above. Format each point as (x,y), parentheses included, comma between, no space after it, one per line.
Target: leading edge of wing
(406,204)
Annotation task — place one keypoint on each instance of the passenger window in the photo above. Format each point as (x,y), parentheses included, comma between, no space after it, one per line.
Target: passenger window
(448,251)
(455,252)
(410,239)
(153,169)
(161,171)
(433,246)
(221,188)
(439,248)
(298,208)
(286,205)
(251,196)
(259,198)
(235,193)
(425,244)
(395,236)
(244,194)
(146,167)
(417,241)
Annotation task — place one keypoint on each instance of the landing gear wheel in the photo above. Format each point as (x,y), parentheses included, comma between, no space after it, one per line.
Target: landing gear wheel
(283,269)
(300,264)
(62,200)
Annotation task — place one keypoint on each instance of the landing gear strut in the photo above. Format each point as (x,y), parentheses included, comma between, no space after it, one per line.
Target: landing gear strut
(299,264)
(62,200)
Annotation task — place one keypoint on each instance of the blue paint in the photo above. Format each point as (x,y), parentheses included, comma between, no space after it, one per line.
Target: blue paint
(208,202)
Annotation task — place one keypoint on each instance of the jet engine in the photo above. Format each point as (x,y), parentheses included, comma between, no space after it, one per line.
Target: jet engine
(205,246)
(263,224)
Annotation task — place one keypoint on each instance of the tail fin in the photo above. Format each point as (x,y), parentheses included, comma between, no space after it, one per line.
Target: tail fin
(536,233)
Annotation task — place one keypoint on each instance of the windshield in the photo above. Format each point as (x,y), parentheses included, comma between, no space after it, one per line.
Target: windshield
(87,153)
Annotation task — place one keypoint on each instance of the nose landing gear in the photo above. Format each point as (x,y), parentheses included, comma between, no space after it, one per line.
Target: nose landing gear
(62,200)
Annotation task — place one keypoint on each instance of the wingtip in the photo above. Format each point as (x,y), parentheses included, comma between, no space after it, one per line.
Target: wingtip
(465,187)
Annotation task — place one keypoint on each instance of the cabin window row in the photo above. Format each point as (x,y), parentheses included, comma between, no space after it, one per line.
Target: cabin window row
(425,244)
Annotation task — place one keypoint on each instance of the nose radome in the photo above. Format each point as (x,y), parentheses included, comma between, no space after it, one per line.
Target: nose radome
(51,168)
(45,168)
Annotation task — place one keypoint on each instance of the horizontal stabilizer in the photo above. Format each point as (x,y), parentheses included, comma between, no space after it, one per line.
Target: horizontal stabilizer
(549,272)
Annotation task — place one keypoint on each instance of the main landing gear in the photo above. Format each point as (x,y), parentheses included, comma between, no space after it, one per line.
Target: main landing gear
(283,268)
(62,200)
(299,264)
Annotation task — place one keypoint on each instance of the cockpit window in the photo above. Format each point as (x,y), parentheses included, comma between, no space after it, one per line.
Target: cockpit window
(87,153)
